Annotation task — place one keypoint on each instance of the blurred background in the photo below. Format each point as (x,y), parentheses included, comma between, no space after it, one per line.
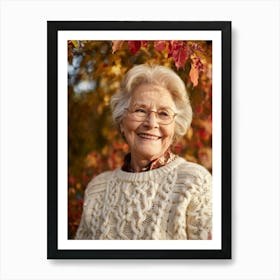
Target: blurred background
(95,70)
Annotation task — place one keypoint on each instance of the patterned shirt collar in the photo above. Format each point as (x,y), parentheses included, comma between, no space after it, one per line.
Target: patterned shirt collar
(166,158)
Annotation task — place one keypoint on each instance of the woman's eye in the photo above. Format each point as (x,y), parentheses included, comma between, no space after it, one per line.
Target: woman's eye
(163,113)
(140,110)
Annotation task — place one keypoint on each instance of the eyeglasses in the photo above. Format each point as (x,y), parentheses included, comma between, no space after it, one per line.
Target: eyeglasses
(140,114)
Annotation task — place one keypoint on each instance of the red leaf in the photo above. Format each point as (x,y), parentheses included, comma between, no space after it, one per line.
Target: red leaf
(196,46)
(144,44)
(71,180)
(170,48)
(159,45)
(199,109)
(199,145)
(116,45)
(179,52)
(203,134)
(134,46)
(198,64)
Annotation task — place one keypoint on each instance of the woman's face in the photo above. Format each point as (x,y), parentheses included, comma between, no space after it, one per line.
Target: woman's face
(148,140)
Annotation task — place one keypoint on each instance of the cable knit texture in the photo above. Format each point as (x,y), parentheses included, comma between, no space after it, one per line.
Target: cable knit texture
(170,202)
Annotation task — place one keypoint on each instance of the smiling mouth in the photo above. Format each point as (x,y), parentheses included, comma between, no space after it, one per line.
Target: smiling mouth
(148,136)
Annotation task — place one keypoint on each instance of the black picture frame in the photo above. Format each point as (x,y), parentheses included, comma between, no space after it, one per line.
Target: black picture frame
(53,251)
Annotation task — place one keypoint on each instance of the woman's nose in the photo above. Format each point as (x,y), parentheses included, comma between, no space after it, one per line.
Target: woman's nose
(151,120)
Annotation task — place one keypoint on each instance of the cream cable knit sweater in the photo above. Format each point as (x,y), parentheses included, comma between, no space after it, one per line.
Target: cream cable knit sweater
(170,202)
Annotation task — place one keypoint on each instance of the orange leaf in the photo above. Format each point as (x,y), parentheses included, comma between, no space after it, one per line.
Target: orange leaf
(116,45)
(194,74)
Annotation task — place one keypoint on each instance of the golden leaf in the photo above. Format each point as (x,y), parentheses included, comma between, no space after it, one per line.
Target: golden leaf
(76,44)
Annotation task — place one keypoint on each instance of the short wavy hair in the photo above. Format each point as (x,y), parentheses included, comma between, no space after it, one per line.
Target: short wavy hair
(154,75)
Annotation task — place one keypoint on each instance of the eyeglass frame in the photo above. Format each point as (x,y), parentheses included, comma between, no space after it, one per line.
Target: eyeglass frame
(156,112)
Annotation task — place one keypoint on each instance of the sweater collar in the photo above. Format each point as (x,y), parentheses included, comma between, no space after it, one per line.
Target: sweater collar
(155,174)
(166,158)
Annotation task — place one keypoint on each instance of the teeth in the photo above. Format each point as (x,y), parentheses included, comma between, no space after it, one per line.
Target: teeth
(146,136)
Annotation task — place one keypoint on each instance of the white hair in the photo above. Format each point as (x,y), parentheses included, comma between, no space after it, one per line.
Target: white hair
(155,75)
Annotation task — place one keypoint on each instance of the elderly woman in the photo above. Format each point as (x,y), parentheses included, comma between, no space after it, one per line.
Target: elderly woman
(156,194)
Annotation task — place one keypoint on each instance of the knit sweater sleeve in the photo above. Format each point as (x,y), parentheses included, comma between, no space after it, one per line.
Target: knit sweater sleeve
(83,231)
(93,200)
(199,210)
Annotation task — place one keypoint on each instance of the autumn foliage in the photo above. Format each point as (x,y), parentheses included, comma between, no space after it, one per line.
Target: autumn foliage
(95,69)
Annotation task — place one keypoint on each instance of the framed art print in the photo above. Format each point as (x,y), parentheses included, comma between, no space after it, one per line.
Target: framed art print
(87,61)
